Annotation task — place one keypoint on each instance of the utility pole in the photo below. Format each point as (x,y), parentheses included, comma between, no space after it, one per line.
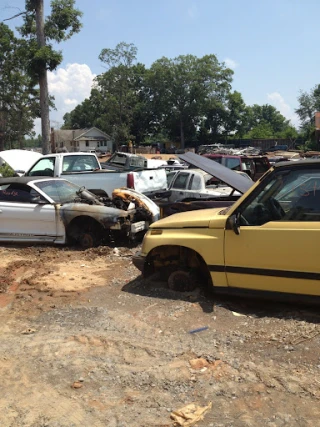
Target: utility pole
(43,80)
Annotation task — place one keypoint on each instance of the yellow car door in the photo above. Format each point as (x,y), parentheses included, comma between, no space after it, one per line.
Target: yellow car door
(271,243)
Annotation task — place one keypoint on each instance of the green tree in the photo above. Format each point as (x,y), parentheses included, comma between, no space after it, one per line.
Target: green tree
(266,121)
(291,133)
(83,116)
(262,130)
(116,90)
(235,115)
(60,25)
(182,89)
(19,99)
(309,103)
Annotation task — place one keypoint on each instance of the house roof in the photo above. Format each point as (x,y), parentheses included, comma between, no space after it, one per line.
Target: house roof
(78,134)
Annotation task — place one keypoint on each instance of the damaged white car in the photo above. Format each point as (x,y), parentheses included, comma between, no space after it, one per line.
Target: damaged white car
(57,211)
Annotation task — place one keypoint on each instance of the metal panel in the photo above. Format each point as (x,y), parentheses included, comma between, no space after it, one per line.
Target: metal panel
(231,178)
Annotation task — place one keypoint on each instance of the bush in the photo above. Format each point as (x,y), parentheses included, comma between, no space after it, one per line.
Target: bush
(6,171)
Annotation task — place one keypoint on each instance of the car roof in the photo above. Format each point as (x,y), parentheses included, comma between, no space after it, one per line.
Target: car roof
(26,180)
(236,156)
(298,164)
(77,153)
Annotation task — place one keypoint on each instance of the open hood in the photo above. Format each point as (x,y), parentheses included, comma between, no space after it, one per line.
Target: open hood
(19,160)
(233,179)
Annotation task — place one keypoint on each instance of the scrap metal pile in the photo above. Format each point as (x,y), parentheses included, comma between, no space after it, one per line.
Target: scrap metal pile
(222,149)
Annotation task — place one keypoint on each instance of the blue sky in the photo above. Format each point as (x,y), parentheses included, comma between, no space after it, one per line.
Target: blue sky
(271,45)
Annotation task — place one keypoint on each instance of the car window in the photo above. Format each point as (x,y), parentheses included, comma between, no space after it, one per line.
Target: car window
(170,177)
(216,159)
(117,159)
(19,193)
(138,162)
(44,167)
(261,165)
(195,182)
(59,191)
(181,181)
(287,196)
(79,163)
(232,163)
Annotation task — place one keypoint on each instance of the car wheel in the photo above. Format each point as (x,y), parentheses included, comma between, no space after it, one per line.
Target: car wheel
(88,239)
(181,281)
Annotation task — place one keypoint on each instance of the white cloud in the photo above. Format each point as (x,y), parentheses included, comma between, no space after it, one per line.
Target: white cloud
(279,103)
(230,63)
(69,86)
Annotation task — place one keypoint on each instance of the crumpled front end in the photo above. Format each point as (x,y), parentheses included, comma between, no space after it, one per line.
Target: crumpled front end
(101,223)
(145,208)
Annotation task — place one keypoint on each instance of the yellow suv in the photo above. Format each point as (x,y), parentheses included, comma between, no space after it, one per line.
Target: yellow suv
(266,242)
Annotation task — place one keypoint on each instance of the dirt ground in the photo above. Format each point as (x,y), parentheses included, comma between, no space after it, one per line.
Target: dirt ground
(85,341)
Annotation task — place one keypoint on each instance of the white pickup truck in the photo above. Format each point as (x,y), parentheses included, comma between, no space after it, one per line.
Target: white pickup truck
(197,184)
(85,170)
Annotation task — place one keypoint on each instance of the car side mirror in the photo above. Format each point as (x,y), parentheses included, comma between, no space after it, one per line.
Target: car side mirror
(234,223)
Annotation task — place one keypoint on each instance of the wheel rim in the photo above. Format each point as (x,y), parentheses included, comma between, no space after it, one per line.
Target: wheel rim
(87,240)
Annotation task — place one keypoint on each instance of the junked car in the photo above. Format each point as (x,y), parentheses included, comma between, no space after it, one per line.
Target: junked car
(266,243)
(254,165)
(18,160)
(197,184)
(206,186)
(34,209)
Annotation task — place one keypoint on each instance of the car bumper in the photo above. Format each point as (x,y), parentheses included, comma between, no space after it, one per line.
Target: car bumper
(138,261)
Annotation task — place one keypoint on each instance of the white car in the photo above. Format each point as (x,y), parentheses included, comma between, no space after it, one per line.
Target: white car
(198,184)
(18,160)
(34,209)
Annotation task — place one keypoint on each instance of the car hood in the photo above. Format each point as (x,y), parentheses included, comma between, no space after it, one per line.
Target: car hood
(198,219)
(19,160)
(228,176)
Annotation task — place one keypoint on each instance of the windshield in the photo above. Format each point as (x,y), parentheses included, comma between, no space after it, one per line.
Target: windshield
(79,163)
(59,191)
(117,159)
(288,196)
(44,167)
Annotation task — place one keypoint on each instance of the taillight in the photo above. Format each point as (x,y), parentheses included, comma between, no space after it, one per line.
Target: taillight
(130,180)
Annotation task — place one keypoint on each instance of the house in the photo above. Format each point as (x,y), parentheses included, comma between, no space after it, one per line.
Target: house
(80,140)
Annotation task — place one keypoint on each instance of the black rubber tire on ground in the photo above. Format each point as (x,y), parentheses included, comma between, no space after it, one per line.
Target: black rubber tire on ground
(89,239)
(181,281)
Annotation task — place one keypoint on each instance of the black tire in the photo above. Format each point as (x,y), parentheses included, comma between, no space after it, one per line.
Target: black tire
(89,239)
(181,281)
